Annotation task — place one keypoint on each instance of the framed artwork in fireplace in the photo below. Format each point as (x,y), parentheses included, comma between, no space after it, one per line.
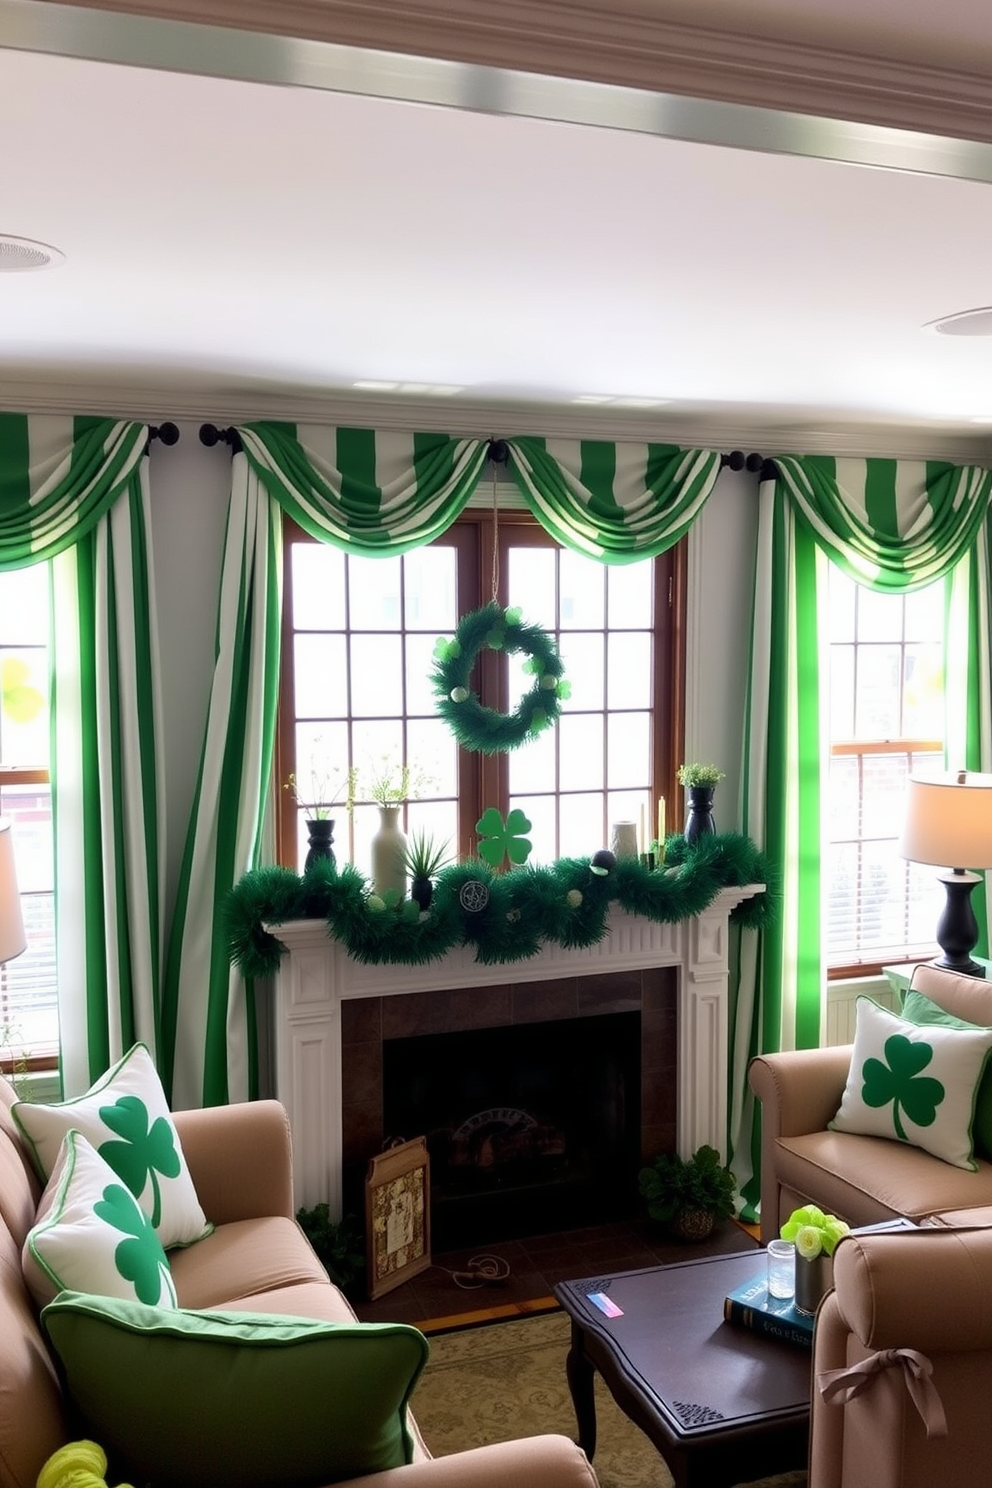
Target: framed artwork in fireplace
(397,1216)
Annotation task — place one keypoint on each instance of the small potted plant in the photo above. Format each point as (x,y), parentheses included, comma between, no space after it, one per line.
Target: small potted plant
(689,1194)
(699,782)
(423,858)
(388,784)
(326,785)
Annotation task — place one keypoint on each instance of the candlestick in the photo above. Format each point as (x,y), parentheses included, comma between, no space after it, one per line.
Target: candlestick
(661,818)
(643,834)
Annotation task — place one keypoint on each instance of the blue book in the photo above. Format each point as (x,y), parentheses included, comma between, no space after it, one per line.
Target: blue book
(749,1306)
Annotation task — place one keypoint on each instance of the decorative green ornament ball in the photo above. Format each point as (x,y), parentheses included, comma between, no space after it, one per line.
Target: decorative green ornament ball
(573,898)
(485,729)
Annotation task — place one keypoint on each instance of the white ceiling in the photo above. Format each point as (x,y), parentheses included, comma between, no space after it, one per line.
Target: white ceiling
(238,248)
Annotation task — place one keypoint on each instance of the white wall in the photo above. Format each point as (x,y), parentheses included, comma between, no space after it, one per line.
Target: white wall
(718,627)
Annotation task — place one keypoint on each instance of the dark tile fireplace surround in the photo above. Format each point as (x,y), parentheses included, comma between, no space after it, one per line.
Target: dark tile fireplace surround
(649,996)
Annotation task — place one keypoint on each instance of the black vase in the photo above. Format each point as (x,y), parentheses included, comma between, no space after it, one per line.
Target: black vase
(422,891)
(320,835)
(699,817)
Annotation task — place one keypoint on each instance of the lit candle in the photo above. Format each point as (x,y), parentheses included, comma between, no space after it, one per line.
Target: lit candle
(661,819)
(643,837)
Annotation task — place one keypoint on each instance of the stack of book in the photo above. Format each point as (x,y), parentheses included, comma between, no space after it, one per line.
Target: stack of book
(750,1306)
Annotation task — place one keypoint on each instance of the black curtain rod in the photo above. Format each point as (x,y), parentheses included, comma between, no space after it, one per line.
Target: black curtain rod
(166,433)
(499,454)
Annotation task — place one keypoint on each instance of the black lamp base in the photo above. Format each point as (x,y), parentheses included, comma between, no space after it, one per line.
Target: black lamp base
(957,928)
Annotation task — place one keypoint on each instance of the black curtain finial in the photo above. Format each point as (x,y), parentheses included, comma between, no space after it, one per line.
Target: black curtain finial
(211,435)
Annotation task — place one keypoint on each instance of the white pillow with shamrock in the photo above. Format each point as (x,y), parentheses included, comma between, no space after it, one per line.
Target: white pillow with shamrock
(126,1117)
(914,1083)
(91,1235)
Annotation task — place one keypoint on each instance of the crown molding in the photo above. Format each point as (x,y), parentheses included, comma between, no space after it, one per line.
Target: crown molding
(722,427)
(624,43)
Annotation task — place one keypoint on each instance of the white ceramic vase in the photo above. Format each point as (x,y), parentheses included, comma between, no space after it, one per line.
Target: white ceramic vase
(388,850)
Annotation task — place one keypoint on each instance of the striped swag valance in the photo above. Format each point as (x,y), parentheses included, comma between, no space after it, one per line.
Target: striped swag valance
(382,493)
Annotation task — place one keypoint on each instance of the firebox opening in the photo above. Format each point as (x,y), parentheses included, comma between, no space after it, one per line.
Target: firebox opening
(531,1128)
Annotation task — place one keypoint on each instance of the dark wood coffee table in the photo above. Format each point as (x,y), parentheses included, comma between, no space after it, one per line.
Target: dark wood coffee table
(723,1405)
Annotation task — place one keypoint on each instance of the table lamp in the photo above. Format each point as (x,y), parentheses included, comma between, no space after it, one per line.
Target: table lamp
(12,938)
(948,821)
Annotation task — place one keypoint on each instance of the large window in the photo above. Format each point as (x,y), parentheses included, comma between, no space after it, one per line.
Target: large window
(886,670)
(356,691)
(28,992)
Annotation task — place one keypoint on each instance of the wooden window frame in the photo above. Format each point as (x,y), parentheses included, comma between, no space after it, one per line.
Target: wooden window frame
(483,779)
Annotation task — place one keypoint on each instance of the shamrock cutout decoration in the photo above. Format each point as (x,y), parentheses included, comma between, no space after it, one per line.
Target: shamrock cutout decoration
(501,839)
(144,1150)
(901,1082)
(139,1259)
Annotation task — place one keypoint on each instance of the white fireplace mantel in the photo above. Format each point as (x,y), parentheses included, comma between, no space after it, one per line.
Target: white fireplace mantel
(316,975)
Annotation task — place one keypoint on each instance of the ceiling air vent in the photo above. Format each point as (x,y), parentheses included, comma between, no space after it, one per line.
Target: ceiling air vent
(17,255)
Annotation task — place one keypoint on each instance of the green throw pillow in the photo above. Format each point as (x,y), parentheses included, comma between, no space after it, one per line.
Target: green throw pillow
(190,1399)
(125,1116)
(90,1234)
(912,1083)
(926,1013)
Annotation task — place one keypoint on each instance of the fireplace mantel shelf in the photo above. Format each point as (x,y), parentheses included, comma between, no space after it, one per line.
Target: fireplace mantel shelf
(316,974)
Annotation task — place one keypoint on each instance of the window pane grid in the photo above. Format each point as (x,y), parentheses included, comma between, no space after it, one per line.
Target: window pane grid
(886,718)
(29,1027)
(573,781)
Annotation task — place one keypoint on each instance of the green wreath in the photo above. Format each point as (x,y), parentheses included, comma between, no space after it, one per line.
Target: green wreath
(481,728)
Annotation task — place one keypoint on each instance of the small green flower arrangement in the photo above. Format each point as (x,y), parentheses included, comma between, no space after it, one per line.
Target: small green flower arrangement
(812,1232)
(386,782)
(694,774)
(326,785)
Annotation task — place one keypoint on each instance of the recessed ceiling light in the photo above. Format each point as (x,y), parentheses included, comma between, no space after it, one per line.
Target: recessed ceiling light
(592,398)
(964,323)
(19,255)
(368,386)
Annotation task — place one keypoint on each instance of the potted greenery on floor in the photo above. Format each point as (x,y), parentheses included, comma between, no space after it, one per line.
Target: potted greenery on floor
(689,1195)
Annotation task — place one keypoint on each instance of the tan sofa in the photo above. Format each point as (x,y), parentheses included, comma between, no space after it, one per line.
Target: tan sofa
(257,1259)
(929,1291)
(861,1179)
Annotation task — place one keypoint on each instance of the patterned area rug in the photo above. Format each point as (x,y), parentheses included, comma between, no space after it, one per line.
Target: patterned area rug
(506,1380)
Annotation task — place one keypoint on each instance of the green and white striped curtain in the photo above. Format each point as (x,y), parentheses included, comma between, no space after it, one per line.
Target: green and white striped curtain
(893,525)
(210,1028)
(75,491)
(376,494)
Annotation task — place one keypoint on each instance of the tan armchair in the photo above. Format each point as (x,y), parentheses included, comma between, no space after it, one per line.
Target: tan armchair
(861,1179)
(913,1310)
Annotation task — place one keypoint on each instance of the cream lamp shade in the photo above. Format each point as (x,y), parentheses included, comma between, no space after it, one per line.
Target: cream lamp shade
(948,822)
(12,938)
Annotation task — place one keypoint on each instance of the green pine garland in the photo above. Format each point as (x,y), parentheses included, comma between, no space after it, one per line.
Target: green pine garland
(481,728)
(562,904)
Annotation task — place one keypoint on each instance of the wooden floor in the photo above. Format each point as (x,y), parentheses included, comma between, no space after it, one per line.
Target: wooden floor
(442,1298)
